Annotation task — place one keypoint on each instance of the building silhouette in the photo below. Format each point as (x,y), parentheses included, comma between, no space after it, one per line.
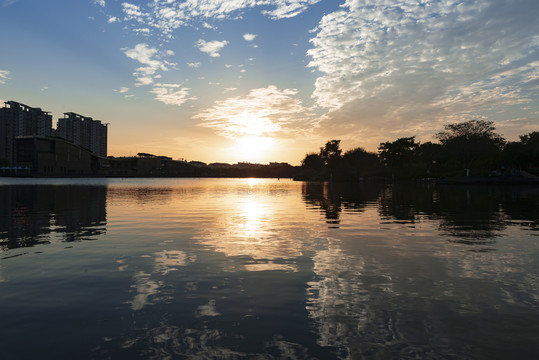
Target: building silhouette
(84,131)
(18,119)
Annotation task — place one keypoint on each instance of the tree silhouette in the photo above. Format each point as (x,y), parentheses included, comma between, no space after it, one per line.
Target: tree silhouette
(471,140)
(398,152)
(312,161)
(331,153)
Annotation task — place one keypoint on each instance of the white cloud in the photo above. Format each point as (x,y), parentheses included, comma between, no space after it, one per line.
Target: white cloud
(263,112)
(249,37)
(133,12)
(143,31)
(146,56)
(168,15)
(403,65)
(289,8)
(112,19)
(4,76)
(122,90)
(211,48)
(193,65)
(171,94)
(143,80)
(100,2)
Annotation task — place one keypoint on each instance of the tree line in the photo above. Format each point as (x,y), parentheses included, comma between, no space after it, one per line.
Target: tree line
(471,148)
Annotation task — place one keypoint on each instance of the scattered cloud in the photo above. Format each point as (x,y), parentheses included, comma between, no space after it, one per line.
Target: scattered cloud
(249,37)
(44,88)
(264,112)
(133,12)
(171,94)
(100,2)
(112,19)
(122,90)
(211,48)
(401,66)
(193,65)
(147,56)
(4,76)
(168,15)
(143,31)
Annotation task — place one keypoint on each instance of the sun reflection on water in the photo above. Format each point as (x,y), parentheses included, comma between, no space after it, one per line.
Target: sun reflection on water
(253,226)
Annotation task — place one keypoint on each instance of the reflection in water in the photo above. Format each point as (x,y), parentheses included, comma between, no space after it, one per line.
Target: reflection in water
(145,288)
(149,291)
(368,302)
(473,216)
(44,214)
(267,269)
(251,225)
(331,198)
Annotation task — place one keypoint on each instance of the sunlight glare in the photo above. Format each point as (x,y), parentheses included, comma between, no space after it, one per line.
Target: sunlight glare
(253,148)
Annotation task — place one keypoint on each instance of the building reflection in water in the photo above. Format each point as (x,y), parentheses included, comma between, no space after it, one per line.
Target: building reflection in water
(43,214)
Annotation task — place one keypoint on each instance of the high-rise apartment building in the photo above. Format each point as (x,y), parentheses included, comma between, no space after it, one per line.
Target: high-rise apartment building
(17,119)
(84,131)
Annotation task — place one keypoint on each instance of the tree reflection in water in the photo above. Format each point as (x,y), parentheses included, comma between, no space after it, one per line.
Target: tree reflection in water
(405,294)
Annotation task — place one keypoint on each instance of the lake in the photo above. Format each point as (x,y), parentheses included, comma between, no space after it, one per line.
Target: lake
(266,269)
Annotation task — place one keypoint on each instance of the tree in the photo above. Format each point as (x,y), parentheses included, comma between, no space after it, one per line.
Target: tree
(398,152)
(358,163)
(468,141)
(331,153)
(523,153)
(312,161)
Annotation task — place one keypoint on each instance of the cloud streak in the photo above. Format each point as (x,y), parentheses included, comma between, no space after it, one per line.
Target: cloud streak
(4,76)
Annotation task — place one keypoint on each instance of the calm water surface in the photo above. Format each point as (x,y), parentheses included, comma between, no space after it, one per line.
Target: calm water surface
(266,269)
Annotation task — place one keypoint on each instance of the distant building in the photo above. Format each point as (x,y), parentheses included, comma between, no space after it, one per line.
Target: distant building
(18,119)
(219,166)
(50,156)
(84,131)
(198,164)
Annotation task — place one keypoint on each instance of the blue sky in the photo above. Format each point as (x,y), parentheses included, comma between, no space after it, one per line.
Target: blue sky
(269,80)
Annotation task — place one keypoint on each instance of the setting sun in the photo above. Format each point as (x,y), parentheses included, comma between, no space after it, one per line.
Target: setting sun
(252,148)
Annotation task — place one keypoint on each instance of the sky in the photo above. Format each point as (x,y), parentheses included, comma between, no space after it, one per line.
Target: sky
(271,80)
